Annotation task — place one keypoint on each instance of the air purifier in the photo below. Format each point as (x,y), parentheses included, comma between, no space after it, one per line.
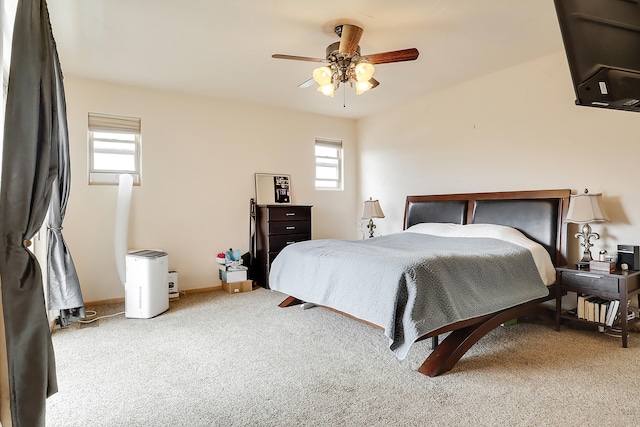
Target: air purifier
(146,293)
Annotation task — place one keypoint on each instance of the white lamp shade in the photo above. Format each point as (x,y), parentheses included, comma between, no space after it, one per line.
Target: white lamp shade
(372,209)
(362,87)
(586,208)
(326,90)
(364,71)
(322,76)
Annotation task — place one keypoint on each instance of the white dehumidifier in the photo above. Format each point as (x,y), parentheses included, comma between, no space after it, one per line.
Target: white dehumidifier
(146,284)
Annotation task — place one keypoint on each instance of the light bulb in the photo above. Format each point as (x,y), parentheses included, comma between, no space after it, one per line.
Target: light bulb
(326,90)
(362,87)
(322,76)
(364,71)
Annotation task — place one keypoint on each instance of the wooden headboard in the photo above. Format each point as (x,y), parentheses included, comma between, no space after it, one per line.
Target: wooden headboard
(537,214)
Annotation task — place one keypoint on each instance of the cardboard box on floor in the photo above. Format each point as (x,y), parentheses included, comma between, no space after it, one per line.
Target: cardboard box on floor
(236,287)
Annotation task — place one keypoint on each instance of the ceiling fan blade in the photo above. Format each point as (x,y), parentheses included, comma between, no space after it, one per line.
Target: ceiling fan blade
(393,56)
(307,83)
(374,83)
(349,39)
(297,58)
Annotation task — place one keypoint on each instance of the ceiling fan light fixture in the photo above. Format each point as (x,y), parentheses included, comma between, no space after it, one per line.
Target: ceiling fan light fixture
(362,87)
(322,76)
(344,64)
(364,71)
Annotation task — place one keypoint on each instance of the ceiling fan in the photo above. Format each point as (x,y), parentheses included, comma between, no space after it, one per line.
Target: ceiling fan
(345,64)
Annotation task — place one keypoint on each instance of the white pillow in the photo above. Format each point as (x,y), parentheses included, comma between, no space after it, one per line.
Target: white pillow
(540,255)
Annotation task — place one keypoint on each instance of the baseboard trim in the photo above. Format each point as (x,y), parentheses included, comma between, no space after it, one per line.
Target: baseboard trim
(121,300)
(104,301)
(198,290)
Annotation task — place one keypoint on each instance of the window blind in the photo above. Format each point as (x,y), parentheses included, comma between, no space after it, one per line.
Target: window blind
(108,123)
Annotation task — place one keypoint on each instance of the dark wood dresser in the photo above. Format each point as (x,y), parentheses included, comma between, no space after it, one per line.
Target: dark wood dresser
(277,227)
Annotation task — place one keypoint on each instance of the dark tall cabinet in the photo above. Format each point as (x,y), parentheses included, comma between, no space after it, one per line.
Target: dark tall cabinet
(277,227)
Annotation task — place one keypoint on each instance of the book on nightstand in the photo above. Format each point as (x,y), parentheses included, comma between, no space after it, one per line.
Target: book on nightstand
(580,308)
(592,307)
(612,312)
(604,306)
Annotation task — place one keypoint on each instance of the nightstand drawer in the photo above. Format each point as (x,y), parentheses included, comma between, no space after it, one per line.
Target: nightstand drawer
(589,281)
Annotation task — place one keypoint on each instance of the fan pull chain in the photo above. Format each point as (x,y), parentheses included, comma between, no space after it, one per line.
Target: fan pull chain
(344,96)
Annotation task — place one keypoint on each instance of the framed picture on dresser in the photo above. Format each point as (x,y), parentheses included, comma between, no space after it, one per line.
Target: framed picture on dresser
(273,189)
(282,189)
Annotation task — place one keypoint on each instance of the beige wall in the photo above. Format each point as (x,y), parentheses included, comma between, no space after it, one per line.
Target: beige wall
(516,129)
(199,157)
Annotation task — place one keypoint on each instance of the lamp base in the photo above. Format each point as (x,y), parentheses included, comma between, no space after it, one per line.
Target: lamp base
(371,226)
(586,234)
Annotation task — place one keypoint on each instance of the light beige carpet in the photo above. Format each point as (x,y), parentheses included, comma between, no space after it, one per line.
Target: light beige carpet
(216,359)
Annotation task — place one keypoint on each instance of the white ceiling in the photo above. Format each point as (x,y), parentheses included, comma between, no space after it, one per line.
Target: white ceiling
(223,48)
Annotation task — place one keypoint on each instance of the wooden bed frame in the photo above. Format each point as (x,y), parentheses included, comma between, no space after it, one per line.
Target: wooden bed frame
(538,214)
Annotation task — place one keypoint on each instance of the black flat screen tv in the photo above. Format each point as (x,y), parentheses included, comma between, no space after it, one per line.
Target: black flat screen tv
(602,43)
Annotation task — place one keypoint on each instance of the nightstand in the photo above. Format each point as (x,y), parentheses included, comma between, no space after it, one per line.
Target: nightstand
(619,285)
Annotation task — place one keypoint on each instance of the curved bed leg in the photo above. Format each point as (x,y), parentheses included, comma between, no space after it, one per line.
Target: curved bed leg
(457,343)
(290,301)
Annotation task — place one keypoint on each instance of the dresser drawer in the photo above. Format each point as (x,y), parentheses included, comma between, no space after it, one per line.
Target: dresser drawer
(589,281)
(289,227)
(289,213)
(276,243)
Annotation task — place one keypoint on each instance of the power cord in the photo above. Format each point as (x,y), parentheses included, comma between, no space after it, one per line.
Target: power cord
(91,313)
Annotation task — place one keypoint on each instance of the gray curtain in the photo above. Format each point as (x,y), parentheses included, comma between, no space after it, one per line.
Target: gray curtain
(29,167)
(64,287)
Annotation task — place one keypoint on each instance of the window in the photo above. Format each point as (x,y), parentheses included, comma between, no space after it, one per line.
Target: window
(328,164)
(114,148)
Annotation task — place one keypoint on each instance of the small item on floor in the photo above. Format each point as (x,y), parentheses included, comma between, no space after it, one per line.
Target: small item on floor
(238,286)
(231,269)
(173,285)
(233,255)
(306,305)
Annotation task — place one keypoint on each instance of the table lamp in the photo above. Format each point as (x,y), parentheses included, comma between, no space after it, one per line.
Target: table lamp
(371,210)
(584,209)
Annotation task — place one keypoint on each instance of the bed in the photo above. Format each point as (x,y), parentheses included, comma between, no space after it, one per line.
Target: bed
(463,265)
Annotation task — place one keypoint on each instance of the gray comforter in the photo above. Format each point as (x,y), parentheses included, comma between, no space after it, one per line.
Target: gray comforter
(408,283)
